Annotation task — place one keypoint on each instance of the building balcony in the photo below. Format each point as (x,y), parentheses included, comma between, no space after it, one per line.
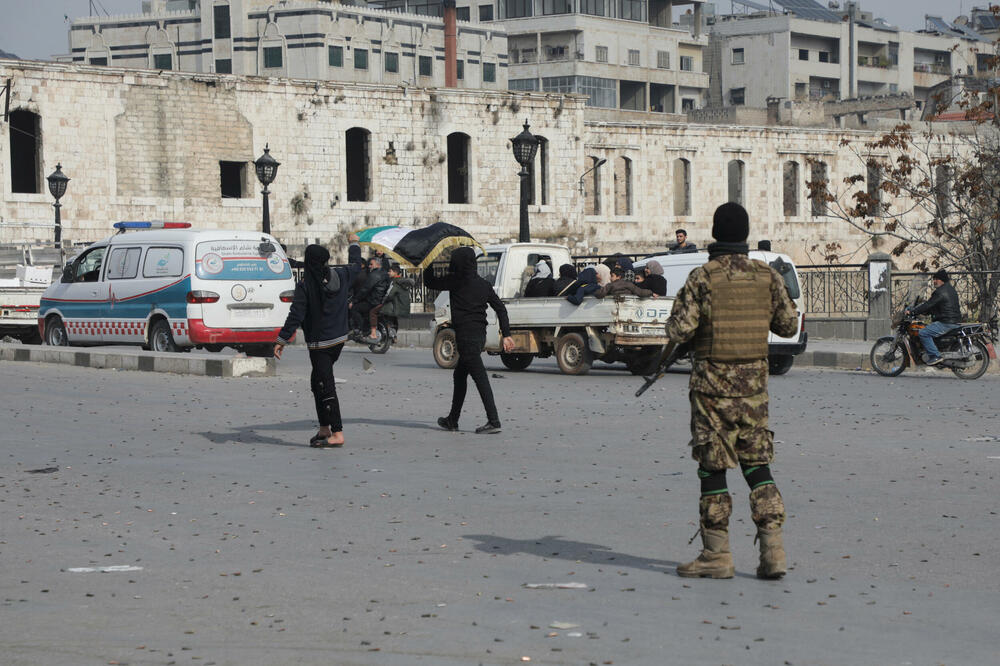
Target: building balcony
(928,68)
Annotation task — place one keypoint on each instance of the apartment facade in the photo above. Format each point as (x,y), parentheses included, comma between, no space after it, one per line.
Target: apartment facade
(623,55)
(757,57)
(312,39)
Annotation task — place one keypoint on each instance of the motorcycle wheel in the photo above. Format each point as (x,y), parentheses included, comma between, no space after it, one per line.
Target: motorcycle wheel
(976,370)
(888,358)
(384,341)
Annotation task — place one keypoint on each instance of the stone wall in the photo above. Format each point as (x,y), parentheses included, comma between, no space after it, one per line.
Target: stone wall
(143,145)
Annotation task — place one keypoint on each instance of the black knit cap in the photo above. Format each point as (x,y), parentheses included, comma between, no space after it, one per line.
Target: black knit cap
(942,275)
(731,224)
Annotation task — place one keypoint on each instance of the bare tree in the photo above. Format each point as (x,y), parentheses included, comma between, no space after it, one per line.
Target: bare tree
(932,195)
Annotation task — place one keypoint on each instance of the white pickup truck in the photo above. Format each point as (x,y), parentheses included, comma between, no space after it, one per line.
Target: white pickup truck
(628,329)
(25,273)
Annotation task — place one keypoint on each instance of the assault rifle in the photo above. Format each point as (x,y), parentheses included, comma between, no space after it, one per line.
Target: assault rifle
(671,353)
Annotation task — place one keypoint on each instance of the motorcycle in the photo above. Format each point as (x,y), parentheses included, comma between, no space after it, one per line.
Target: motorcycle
(966,350)
(386,327)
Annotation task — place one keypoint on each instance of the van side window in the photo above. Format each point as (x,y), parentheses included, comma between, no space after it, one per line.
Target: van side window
(163,262)
(123,264)
(88,266)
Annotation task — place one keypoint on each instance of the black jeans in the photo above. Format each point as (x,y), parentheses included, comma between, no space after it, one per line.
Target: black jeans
(470,362)
(323,386)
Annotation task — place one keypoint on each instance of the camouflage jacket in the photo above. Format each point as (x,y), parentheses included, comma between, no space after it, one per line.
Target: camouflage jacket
(693,304)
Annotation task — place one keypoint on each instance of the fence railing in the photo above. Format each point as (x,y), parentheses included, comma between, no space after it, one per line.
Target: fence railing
(843,291)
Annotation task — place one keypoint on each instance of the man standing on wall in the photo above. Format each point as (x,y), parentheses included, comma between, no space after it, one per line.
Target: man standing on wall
(727,307)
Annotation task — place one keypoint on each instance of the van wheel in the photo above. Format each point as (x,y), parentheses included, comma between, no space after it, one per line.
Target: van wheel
(160,339)
(55,333)
(214,347)
(573,355)
(445,349)
(779,364)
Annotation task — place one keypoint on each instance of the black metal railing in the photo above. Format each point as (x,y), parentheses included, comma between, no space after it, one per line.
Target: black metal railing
(835,291)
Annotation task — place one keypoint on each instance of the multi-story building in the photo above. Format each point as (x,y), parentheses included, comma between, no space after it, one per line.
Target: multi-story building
(313,39)
(625,55)
(809,51)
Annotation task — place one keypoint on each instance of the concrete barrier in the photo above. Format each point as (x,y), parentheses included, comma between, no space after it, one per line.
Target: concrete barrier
(177,363)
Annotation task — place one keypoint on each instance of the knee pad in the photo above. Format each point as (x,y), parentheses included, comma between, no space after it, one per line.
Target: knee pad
(712,483)
(757,475)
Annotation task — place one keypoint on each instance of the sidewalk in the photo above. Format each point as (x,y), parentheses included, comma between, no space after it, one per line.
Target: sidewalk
(843,354)
(819,353)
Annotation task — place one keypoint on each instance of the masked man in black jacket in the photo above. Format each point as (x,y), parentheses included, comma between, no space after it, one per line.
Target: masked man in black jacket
(945,312)
(469,295)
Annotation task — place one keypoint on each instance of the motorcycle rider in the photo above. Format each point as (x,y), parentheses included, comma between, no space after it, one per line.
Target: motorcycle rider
(945,313)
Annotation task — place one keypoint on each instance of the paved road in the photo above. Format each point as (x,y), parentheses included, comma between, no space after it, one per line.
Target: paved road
(413,546)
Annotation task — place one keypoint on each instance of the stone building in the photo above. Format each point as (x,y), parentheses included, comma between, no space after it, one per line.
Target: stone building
(317,39)
(142,144)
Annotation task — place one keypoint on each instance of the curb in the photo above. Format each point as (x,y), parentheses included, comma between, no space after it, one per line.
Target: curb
(176,363)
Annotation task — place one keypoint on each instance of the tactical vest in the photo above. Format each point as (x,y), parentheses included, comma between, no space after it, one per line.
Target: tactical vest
(740,317)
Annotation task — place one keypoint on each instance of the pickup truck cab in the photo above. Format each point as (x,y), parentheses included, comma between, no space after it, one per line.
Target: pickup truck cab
(628,329)
(171,288)
(781,351)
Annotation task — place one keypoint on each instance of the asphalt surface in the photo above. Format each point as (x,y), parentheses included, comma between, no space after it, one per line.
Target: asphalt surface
(241,545)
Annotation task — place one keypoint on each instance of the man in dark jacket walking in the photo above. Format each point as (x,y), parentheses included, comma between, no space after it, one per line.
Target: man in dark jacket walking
(369,293)
(945,312)
(469,295)
(319,306)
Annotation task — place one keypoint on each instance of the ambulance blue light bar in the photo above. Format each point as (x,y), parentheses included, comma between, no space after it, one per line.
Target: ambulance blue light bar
(122,226)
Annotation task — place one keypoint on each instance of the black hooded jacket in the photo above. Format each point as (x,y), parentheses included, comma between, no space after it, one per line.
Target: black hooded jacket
(469,294)
(325,322)
(943,305)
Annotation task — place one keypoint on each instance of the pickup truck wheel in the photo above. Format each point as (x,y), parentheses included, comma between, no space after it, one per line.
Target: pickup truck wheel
(445,349)
(516,361)
(780,364)
(573,355)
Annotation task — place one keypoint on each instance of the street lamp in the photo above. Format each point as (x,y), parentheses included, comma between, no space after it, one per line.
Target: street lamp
(583,187)
(57,186)
(524,145)
(267,168)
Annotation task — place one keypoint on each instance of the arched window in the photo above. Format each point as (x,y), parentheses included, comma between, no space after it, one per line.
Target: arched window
(682,186)
(819,181)
(790,188)
(874,178)
(542,157)
(942,189)
(592,187)
(458,168)
(623,186)
(736,170)
(25,152)
(357,150)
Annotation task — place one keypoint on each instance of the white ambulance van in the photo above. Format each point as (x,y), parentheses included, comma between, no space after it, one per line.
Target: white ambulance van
(168,287)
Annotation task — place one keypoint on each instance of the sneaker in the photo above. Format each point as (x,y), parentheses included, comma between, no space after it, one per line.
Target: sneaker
(488,429)
(934,361)
(447,424)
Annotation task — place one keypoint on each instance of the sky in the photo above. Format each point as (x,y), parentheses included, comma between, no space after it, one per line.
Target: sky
(38,29)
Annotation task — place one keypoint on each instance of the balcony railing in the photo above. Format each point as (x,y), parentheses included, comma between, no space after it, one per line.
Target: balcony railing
(931,69)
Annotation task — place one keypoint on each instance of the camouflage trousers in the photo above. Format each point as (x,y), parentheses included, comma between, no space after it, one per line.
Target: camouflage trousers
(728,433)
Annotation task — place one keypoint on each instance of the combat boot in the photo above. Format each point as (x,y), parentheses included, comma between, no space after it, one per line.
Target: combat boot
(715,560)
(772,553)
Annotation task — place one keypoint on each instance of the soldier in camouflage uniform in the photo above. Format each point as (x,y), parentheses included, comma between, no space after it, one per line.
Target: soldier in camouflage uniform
(727,308)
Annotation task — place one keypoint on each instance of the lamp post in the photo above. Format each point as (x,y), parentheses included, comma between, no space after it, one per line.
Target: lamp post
(524,146)
(267,168)
(57,187)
